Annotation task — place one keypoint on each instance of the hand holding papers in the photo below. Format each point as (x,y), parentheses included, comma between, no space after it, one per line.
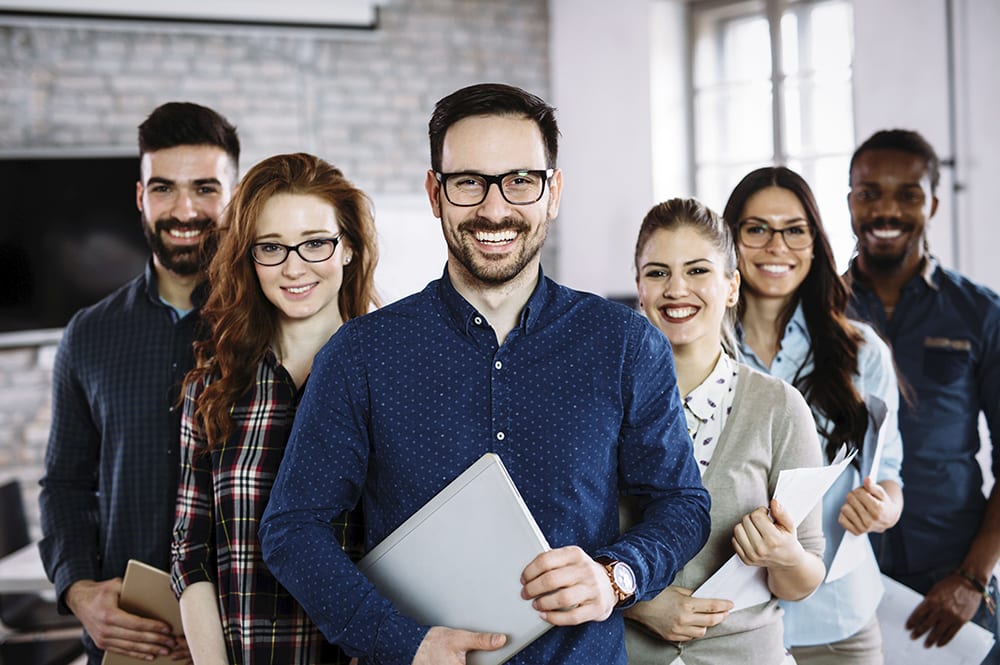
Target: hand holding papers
(852,548)
(969,646)
(798,490)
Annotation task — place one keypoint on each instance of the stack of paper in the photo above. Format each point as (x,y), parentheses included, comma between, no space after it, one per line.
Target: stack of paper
(798,490)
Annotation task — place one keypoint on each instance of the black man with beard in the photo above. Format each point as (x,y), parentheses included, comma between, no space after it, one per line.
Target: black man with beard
(945,333)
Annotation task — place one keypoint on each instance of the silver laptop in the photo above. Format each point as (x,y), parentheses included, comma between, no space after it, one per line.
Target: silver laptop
(457,561)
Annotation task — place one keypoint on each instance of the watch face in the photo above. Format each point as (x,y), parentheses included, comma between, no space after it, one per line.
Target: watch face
(624,577)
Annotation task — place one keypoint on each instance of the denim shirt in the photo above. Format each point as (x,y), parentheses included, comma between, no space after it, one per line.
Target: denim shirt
(580,401)
(945,335)
(840,608)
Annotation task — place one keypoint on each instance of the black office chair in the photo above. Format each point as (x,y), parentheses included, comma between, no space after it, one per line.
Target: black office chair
(32,629)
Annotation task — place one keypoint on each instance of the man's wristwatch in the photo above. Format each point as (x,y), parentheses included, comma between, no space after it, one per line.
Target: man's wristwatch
(621,576)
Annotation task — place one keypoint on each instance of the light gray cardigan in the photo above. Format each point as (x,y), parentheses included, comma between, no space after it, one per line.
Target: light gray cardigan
(770,428)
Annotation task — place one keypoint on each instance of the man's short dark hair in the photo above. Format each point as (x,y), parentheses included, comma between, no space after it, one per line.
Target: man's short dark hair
(184,123)
(492,99)
(904,140)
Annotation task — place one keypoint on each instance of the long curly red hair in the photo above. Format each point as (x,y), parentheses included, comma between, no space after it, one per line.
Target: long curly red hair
(240,320)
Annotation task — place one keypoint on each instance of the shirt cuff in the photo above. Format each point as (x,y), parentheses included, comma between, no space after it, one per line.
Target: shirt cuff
(398,639)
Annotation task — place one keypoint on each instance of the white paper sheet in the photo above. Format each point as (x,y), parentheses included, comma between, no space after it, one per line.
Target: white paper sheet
(852,550)
(798,490)
(968,647)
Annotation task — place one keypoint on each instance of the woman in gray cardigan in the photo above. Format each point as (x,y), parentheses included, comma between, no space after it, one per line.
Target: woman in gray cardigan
(745,428)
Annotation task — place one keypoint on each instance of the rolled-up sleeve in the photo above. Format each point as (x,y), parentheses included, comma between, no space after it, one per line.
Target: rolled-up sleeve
(192,552)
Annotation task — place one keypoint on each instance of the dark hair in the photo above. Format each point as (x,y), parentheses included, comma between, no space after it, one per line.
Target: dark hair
(241,320)
(677,213)
(829,388)
(184,123)
(904,140)
(492,99)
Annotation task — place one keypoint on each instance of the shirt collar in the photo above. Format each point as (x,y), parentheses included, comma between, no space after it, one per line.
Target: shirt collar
(464,314)
(152,282)
(797,324)
(198,296)
(704,400)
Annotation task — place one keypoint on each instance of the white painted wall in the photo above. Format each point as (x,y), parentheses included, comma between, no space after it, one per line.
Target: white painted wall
(979,139)
(601,64)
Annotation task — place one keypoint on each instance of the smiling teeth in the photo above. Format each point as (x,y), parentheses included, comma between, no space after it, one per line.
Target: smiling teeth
(298,289)
(887,234)
(496,236)
(775,270)
(680,312)
(177,233)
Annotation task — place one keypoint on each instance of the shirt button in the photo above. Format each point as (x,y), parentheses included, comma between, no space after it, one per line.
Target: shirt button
(478,320)
(498,364)
(500,436)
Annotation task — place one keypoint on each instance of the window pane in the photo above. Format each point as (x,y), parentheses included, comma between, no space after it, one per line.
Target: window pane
(830,40)
(720,29)
(734,124)
(746,49)
(818,116)
(789,43)
(715,183)
(829,184)
(827,177)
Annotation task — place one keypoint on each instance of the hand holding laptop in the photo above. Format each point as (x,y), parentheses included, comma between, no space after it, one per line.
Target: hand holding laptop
(449,645)
(568,587)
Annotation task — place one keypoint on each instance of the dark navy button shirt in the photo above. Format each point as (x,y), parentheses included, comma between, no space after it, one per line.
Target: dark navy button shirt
(111,466)
(579,402)
(945,336)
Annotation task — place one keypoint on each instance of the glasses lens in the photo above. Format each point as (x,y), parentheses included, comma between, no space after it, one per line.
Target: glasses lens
(317,250)
(798,237)
(523,186)
(755,235)
(465,189)
(269,253)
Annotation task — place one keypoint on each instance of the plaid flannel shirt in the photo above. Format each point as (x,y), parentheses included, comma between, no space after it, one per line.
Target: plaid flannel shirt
(220,500)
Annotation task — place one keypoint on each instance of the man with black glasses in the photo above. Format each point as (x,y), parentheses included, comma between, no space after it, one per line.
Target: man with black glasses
(111,467)
(577,395)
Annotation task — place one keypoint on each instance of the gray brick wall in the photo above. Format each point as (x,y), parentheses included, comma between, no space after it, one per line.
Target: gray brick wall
(360,99)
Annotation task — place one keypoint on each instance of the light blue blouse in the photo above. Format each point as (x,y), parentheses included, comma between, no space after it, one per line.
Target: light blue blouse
(839,609)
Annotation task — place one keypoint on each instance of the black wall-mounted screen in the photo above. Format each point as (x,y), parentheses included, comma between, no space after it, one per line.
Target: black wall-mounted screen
(69,235)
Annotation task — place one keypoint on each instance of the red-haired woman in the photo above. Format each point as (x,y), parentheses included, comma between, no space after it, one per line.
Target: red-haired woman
(295,259)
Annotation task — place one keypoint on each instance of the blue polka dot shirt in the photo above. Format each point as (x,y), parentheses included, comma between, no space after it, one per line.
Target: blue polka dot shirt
(580,402)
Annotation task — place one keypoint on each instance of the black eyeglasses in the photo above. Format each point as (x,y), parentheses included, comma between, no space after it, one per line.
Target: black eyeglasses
(518,188)
(757,235)
(314,250)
